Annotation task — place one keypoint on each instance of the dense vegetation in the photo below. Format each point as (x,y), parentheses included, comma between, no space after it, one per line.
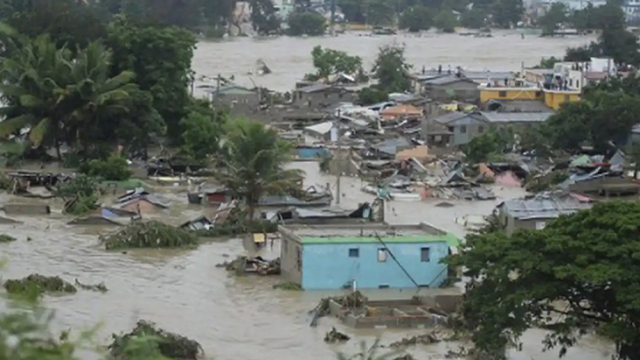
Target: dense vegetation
(575,277)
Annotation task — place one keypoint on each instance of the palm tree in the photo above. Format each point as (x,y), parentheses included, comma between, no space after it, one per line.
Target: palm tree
(371,353)
(96,96)
(34,81)
(252,158)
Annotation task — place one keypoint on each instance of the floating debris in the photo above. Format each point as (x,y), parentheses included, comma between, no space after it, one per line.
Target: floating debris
(353,300)
(288,286)
(252,265)
(152,234)
(4,238)
(426,339)
(405,357)
(334,336)
(98,287)
(170,345)
(38,285)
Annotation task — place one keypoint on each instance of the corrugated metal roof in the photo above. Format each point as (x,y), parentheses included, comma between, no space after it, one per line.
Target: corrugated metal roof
(445,80)
(543,207)
(313,88)
(502,117)
(449,117)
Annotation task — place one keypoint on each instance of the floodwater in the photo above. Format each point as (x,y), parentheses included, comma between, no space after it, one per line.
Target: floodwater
(244,318)
(290,58)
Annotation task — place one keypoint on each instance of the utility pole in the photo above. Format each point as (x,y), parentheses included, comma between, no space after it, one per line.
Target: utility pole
(339,167)
(333,17)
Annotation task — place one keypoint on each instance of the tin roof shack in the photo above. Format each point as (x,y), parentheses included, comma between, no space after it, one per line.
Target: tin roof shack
(364,255)
(240,100)
(534,213)
(321,95)
(464,127)
(450,87)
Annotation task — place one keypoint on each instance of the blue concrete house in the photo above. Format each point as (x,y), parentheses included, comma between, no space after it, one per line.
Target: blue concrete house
(337,256)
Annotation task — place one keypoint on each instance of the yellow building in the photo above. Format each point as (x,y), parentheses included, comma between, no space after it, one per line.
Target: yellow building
(551,98)
(555,98)
(509,93)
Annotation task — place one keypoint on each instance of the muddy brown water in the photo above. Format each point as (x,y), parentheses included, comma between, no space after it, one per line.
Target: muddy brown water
(244,318)
(231,317)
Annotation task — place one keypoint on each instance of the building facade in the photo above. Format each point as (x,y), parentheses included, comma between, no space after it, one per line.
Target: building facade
(335,257)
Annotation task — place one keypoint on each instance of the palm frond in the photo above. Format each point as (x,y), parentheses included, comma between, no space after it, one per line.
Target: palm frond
(9,126)
(37,134)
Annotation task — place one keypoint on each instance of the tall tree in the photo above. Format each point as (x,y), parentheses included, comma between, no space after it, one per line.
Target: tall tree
(136,48)
(391,69)
(578,274)
(253,159)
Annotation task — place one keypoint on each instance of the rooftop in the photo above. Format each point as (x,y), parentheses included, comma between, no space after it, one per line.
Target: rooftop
(367,233)
(522,117)
(544,206)
(517,106)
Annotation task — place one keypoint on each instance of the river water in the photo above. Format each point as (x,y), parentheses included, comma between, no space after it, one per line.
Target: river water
(244,318)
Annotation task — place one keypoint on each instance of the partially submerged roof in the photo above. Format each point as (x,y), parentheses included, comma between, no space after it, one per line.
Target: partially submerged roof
(544,206)
(446,80)
(321,128)
(515,117)
(449,117)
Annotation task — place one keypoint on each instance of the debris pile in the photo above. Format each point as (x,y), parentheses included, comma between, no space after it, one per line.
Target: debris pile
(170,345)
(335,336)
(288,286)
(252,265)
(353,300)
(4,238)
(101,287)
(426,339)
(150,234)
(38,285)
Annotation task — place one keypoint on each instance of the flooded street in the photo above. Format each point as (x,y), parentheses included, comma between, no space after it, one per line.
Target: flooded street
(244,318)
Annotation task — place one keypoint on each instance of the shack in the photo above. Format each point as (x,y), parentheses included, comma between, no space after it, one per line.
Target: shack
(364,255)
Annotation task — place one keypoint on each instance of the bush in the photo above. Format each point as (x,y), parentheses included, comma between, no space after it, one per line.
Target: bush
(36,284)
(150,234)
(115,168)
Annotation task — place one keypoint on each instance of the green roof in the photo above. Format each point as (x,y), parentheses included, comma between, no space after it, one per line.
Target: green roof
(450,238)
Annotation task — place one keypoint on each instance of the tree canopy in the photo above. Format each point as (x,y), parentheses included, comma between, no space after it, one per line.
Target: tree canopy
(577,275)
(391,69)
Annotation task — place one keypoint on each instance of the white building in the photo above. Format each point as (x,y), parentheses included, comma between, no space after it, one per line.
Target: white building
(575,4)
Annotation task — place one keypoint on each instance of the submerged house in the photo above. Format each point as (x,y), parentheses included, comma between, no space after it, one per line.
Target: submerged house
(364,255)
(364,213)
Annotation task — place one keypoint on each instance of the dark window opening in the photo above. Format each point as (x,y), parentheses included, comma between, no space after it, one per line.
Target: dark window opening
(502,93)
(425,255)
(354,253)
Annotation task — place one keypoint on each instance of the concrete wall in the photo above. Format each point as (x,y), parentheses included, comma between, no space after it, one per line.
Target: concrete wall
(496,93)
(463,91)
(327,97)
(27,209)
(466,129)
(328,266)
(554,99)
(512,225)
(291,259)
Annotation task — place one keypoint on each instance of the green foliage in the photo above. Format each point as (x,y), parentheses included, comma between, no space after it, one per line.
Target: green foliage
(202,133)
(150,234)
(548,63)
(306,23)
(82,205)
(481,148)
(380,12)
(264,19)
(4,238)
(39,285)
(553,18)
(239,227)
(253,158)
(81,185)
(575,275)
(371,95)
(391,69)
(445,21)
(416,18)
(506,13)
(473,19)
(165,345)
(330,62)
(166,78)
(113,168)
(289,286)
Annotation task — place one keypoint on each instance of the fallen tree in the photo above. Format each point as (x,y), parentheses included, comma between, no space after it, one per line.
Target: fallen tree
(37,285)
(168,345)
(152,234)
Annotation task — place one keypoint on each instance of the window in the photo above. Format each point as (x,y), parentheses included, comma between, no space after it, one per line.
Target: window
(425,255)
(382,255)
(480,129)
(463,129)
(450,128)
(540,225)
(354,253)
(567,97)
(502,94)
(578,84)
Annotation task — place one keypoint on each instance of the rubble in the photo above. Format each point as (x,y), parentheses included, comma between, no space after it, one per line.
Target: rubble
(252,265)
(38,285)
(152,234)
(429,338)
(354,299)
(170,345)
(101,287)
(334,336)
